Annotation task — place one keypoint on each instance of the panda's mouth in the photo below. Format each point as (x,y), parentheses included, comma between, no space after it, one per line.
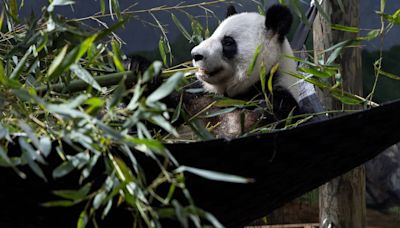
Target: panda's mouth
(204,73)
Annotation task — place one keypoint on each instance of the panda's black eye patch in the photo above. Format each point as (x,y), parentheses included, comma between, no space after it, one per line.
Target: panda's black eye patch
(229,47)
(228,41)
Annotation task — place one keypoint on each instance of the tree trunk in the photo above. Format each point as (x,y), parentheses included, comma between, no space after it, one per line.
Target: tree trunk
(342,200)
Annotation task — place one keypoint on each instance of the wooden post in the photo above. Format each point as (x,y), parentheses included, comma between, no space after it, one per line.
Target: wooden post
(342,200)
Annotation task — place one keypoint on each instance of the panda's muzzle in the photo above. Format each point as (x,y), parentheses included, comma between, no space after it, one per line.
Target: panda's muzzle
(199,60)
(207,73)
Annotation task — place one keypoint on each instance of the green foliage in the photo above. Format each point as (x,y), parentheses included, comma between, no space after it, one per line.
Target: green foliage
(62,98)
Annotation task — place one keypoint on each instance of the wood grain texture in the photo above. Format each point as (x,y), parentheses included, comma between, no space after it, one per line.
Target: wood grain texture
(342,200)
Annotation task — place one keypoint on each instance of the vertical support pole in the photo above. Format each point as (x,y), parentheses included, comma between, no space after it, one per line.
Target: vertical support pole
(342,200)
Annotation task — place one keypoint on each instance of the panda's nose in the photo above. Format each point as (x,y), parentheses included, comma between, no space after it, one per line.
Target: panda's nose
(197,57)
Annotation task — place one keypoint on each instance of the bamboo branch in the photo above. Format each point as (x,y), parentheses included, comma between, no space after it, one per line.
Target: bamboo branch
(155,9)
(79,85)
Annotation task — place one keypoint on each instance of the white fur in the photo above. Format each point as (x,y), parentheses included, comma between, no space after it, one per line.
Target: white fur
(248,30)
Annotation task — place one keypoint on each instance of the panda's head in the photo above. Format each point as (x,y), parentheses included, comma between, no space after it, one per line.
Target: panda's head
(224,58)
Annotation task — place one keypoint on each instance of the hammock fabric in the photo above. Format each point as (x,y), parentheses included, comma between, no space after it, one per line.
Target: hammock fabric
(285,164)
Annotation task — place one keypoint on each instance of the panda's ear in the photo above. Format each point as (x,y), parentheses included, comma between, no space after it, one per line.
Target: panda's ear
(278,19)
(230,11)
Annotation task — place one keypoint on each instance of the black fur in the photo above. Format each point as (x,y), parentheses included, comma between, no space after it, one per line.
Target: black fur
(230,11)
(279,19)
(229,47)
(138,64)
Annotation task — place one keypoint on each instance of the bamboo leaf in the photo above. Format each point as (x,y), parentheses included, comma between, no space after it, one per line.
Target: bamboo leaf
(65,63)
(181,28)
(218,112)
(107,209)
(197,30)
(101,35)
(162,122)
(153,71)
(165,89)
(63,169)
(254,60)
(4,156)
(345,28)
(333,56)
(95,103)
(14,84)
(177,111)
(134,102)
(118,94)
(162,48)
(85,76)
(57,60)
(263,77)
(59,203)
(389,75)
(213,220)
(346,99)
(45,145)
(383,3)
(342,44)
(212,175)
(226,102)
(315,72)
(13,9)
(83,220)
(99,199)
(74,195)
(102,7)
(371,35)
(85,46)
(36,169)
(32,136)
(116,56)
(20,66)
(396,17)
(54,3)
(153,144)
(116,8)
(1,19)
(274,69)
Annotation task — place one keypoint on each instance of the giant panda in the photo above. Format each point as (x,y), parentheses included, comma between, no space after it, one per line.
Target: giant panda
(223,62)
(224,58)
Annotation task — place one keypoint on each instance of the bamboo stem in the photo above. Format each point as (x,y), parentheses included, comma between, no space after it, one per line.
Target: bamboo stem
(79,85)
